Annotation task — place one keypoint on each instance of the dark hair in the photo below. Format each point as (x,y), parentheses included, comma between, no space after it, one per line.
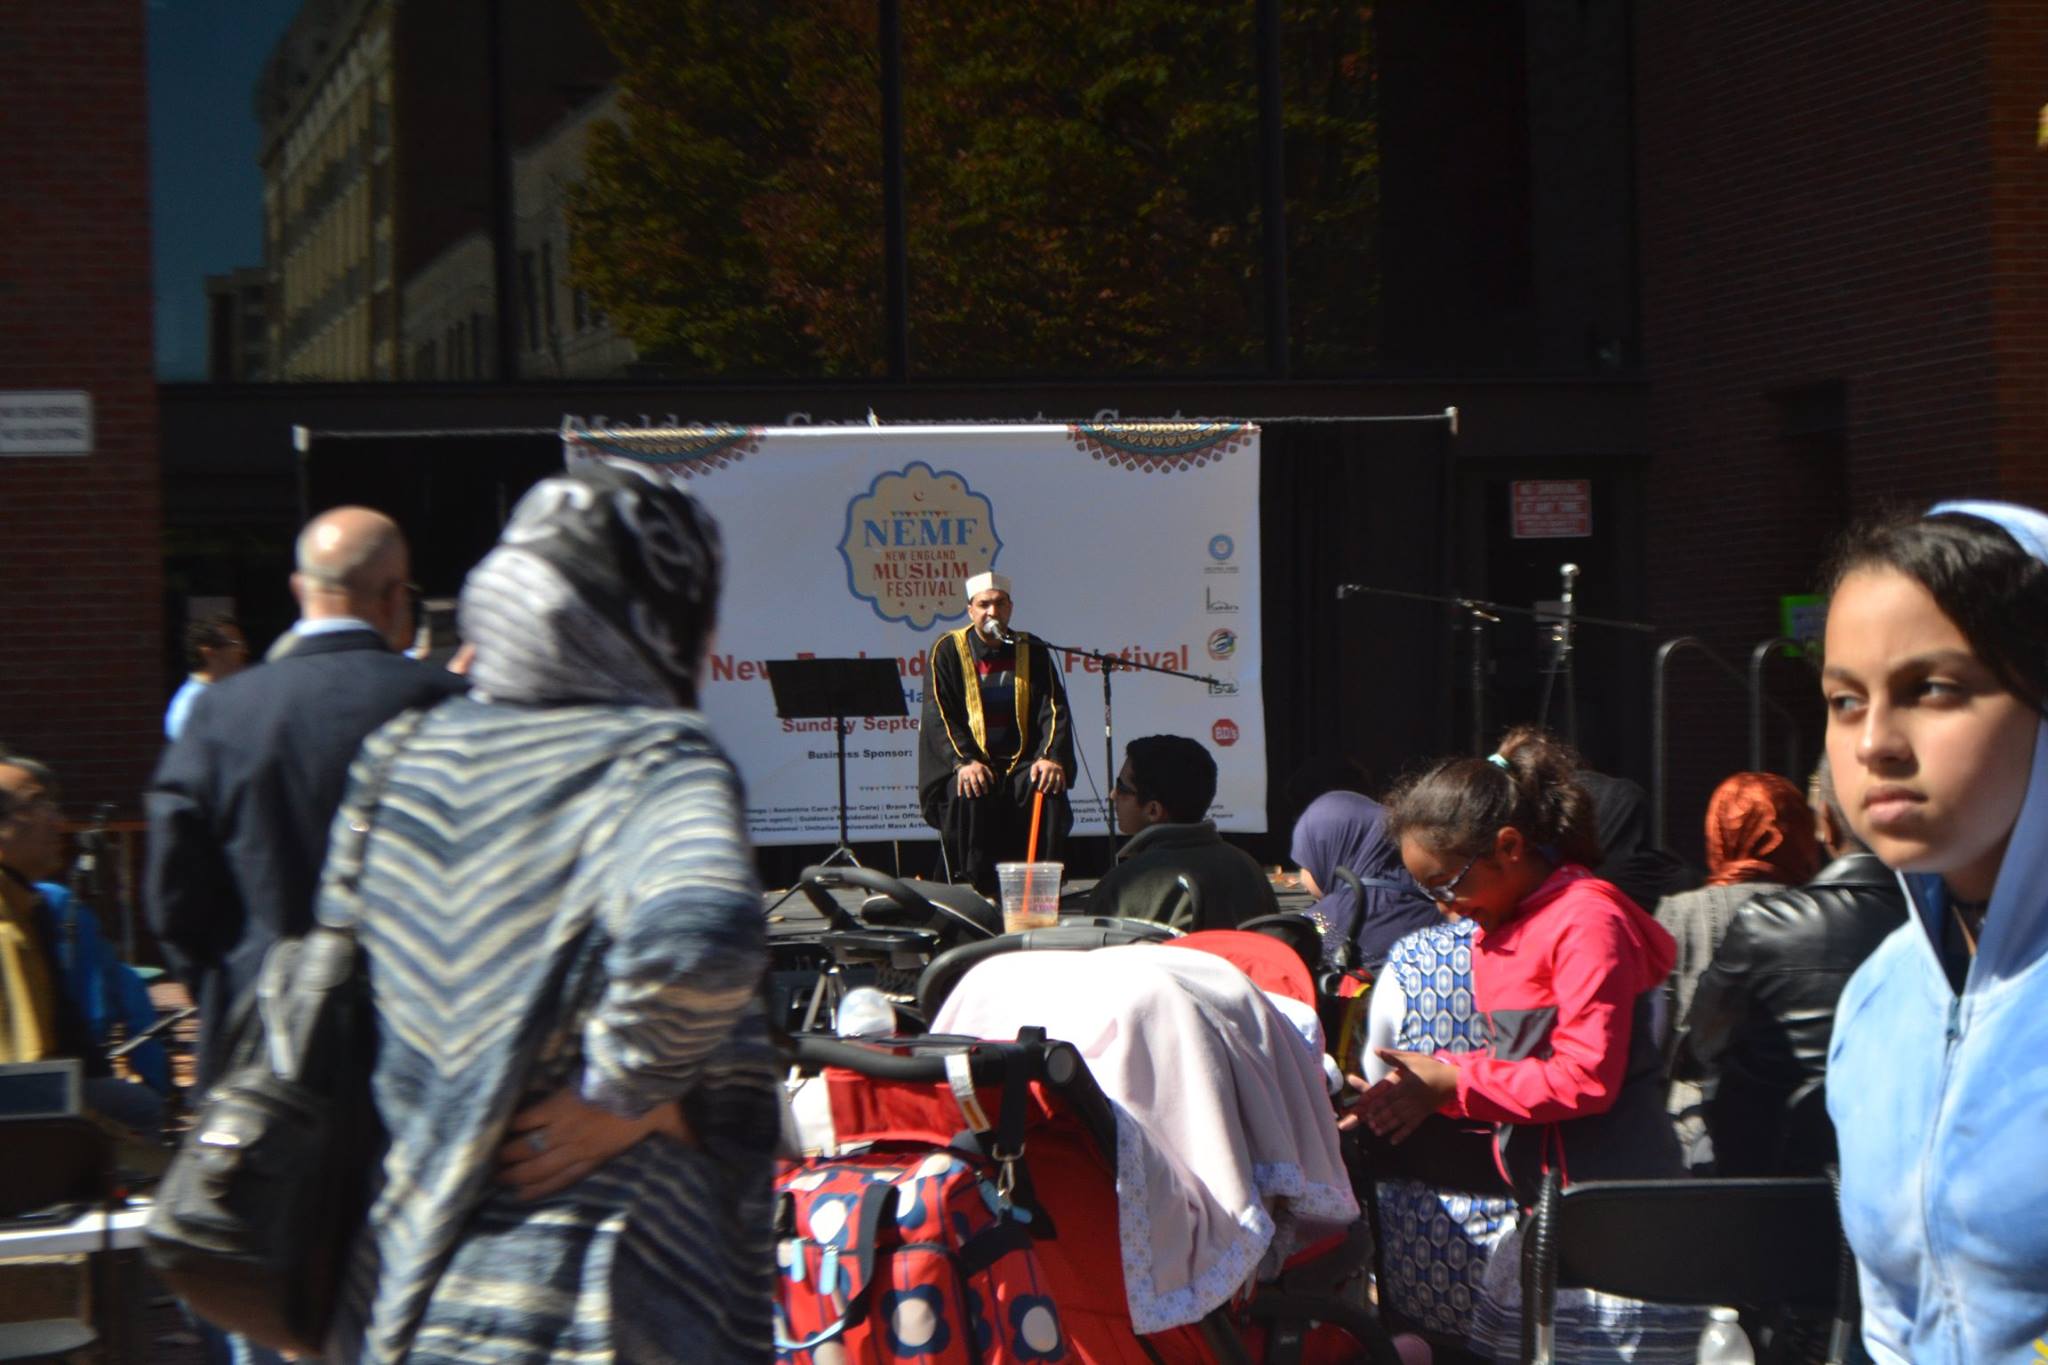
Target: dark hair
(36,768)
(211,633)
(1457,805)
(1175,771)
(10,804)
(1995,592)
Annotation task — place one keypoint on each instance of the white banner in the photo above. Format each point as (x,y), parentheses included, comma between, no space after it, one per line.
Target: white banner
(1140,541)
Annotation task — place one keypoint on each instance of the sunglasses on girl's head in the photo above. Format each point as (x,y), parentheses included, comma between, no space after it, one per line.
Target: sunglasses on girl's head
(1447,892)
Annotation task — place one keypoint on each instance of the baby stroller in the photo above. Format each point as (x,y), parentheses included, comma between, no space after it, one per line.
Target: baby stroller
(908,939)
(969,1209)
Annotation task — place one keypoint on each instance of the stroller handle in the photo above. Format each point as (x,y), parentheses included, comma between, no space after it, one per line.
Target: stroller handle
(816,880)
(1056,1062)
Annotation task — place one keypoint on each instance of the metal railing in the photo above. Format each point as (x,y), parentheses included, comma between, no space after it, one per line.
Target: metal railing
(1753,686)
(1760,655)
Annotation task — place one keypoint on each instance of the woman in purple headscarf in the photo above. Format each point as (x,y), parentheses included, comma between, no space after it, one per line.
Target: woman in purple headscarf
(1346,830)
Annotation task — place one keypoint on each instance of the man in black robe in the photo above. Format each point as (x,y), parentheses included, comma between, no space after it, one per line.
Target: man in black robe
(996,731)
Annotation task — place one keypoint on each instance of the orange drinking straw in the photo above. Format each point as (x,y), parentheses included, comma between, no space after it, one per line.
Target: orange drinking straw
(1031,845)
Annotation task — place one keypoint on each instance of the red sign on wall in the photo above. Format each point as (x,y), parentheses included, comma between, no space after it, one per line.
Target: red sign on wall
(1552,509)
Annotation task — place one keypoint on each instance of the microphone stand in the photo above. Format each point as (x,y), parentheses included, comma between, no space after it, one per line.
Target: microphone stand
(89,882)
(1482,613)
(1561,659)
(1110,663)
(1477,619)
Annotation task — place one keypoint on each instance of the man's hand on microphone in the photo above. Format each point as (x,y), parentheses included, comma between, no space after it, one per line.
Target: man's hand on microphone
(975,779)
(1048,776)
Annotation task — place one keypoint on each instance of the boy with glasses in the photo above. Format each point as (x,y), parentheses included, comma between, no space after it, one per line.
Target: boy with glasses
(1176,867)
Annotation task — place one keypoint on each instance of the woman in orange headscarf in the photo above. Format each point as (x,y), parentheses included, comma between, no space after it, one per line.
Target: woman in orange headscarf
(1760,829)
(1760,837)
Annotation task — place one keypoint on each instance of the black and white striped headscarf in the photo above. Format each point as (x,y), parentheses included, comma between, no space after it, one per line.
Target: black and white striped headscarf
(603,587)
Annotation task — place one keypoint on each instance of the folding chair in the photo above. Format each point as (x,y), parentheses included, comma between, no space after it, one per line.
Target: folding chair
(1747,1243)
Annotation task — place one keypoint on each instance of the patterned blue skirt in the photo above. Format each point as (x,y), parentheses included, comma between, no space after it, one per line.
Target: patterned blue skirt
(1434,1245)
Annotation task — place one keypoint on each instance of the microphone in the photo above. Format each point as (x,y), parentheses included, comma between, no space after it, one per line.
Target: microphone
(1561,630)
(994,630)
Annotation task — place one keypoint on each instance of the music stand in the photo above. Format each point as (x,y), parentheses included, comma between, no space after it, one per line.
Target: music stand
(815,689)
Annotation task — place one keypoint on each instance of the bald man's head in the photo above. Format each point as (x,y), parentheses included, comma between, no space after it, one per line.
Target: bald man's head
(350,548)
(353,561)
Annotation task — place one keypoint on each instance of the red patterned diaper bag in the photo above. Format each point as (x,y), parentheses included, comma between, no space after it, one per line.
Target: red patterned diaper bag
(907,1252)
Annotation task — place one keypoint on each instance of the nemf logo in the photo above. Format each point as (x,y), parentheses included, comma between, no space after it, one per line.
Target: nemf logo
(912,541)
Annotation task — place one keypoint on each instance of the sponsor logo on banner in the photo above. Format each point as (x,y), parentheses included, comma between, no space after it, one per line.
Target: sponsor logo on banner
(913,540)
(1216,606)
(1221,548)
(1223,687)
(1222,642)
(1224,732)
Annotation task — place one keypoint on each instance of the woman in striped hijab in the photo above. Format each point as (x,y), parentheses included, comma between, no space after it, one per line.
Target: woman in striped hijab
(564,938)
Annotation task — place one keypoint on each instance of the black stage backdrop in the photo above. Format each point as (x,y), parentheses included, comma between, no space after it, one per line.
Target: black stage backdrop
(1367,678)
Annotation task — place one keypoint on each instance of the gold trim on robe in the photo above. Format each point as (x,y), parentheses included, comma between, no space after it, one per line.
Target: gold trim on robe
(970,691)
(931,680)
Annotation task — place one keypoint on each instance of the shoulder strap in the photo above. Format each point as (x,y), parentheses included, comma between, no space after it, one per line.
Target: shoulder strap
(1377,883)
(362,818)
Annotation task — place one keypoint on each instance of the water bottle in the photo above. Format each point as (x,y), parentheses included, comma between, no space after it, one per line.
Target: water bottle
(1724,1342)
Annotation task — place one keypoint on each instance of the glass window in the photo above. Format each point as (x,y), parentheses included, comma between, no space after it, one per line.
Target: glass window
(698,185)
(728,220)
(1331,150)
(529,301)
(1082,187)
(547,287)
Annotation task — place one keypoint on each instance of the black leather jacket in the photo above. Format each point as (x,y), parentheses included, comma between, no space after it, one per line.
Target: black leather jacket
(1757,1035)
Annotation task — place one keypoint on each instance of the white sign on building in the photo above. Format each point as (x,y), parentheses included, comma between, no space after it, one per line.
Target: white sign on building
(45,422)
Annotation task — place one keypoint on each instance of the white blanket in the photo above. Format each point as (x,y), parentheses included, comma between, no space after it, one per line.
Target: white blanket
(1227,1157)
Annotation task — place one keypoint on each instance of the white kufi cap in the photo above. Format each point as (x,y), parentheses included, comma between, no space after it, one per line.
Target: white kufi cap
(983,582)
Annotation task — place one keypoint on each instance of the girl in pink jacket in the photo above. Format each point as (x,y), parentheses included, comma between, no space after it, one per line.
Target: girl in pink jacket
(1566,972)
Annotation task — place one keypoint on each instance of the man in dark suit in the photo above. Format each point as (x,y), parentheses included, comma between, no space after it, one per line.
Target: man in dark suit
(240,805)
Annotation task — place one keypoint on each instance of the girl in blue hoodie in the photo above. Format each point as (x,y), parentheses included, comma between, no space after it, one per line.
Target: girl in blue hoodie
(1935,680)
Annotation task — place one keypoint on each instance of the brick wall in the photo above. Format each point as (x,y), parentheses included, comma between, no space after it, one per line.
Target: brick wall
(1828,194)
(81,678)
